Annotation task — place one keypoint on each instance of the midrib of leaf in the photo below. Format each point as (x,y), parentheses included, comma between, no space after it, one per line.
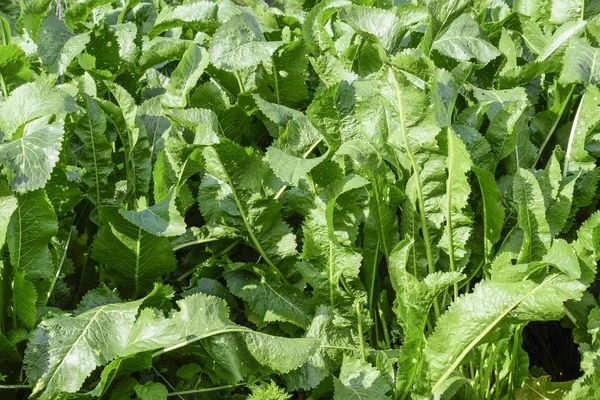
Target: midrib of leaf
(275,80)
(331,273)
(413,162)
(247,224)
(283,298)
(95,162)
(483,333)
(204,336)
(529,225)
(137,262)
(449,205)
(18,263)
(572,135)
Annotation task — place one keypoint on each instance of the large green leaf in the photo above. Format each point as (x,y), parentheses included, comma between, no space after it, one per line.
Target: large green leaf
(161,219)
(65,350)
(134,259)
(239,44)
(32,101)
(455,336)
(465,40)
(58,46)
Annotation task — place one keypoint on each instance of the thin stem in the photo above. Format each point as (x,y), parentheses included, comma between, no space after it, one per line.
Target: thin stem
(215,256)
(419,188)
(331,273)
(167,382)
(14,387)
(386,333)
(204,390)
(554,126)
(193,243)
(239,81)
(276,81)
(361,338)
(572,136)
(62,262)
(449,207)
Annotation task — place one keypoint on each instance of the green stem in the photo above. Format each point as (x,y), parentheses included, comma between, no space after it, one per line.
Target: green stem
(215,256)
(276,81)
(14,387)
(193,243)
(361,338)
(62,262)
(331,285)
(204,390)
(386,333)
(239,81)
(449,207)
(419,188)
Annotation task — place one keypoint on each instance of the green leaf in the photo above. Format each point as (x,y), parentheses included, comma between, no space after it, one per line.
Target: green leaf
(587,385)
(228,197)
(152,391)
(14,66)
(562,34)
(270,300)
(386,26)
(359,380)
(201,15)
(581,63)
(493,210)
(65,350)
(465,40)
(134,259)
(289,168)
(586,118)
(239,43)
(32,157)
(58,46)
(185,76)
(455,336)
(161,219)
(333,334)
(8,204)
(32,226)
(32,101)
(96,157)
(532,216)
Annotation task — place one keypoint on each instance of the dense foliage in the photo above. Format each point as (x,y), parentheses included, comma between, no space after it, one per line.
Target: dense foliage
(348,199)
